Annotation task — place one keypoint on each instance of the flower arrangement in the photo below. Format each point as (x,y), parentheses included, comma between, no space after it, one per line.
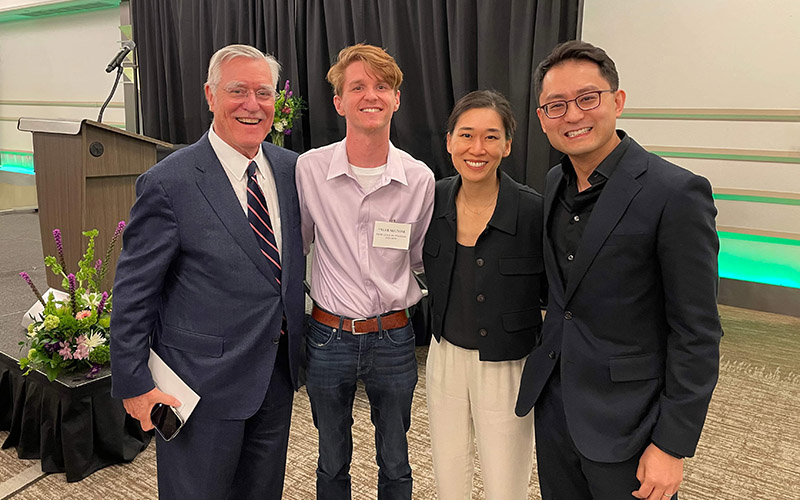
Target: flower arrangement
(72,333)
(288,108)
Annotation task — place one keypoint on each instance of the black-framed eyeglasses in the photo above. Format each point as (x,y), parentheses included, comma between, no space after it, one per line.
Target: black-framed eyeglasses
(585,102)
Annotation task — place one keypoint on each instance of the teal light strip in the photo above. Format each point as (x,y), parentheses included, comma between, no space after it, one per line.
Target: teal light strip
(772,261)
(17,169)
(16,161)
(756,199)
(58,9)
(726,156)
(757,238)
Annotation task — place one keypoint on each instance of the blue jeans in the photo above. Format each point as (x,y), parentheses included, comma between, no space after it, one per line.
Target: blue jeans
(386,363)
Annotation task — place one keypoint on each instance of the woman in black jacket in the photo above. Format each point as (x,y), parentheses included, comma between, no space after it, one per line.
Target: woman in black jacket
(483,264)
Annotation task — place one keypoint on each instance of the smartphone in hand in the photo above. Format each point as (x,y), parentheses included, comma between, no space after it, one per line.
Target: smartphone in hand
(166,421)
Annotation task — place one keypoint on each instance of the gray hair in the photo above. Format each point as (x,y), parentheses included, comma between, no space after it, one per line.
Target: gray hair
(229,52)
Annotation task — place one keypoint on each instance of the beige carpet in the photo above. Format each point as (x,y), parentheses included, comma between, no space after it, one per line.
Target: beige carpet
(750,448)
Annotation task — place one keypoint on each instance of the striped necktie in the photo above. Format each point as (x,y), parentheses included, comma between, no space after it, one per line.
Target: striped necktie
(258,216)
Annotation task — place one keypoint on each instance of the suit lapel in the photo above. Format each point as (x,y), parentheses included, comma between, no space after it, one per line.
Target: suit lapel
(216,188)
(612,204)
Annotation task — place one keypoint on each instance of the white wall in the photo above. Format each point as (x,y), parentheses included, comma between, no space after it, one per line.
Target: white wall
(716,57)
(59,64)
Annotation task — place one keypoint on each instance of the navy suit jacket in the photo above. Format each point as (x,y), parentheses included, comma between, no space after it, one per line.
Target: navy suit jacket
(636,329)
(192,283)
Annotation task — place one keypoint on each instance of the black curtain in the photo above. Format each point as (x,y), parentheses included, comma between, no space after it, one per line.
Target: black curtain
(445,48)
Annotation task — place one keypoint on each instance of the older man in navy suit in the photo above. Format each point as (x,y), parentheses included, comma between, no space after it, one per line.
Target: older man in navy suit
(211,276)
(630,345)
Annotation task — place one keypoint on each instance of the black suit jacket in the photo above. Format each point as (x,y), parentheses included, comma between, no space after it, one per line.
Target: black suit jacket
(636,330)
(509,270)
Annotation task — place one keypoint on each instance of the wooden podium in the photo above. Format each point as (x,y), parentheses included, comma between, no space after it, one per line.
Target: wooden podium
(85,179)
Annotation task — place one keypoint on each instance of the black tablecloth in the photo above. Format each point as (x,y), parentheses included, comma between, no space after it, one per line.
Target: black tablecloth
(73,429)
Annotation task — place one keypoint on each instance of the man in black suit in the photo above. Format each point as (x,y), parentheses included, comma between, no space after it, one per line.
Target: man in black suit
(210,277)
(630,344)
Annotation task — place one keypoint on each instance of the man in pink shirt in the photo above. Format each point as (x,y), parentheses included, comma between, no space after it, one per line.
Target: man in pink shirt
(366,206)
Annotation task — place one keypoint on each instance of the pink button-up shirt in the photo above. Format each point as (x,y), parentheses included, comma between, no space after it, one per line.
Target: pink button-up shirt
(349,276)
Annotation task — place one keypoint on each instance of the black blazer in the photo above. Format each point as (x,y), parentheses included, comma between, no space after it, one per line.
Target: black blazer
(509,271)
(636,330)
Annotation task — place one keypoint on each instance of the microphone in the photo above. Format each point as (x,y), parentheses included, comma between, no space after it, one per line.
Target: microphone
(127,46)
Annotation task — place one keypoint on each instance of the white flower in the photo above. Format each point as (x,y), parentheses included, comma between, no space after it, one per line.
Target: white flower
(93,340)
(278,126)
(34,329)
(92,300)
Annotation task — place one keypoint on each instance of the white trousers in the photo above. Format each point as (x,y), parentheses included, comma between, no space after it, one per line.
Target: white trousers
(471,400)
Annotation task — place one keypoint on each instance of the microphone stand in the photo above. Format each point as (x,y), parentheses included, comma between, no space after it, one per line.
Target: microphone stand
(113,89)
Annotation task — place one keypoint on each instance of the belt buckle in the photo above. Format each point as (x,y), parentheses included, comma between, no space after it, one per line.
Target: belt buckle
(353,326)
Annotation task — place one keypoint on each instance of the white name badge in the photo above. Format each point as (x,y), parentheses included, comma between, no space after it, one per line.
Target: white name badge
(391,235)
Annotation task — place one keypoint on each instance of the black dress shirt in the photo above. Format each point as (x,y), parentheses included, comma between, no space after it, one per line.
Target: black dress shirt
(459,317)
(573,209)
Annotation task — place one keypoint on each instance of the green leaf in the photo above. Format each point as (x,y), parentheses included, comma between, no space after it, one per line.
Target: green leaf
(52,373)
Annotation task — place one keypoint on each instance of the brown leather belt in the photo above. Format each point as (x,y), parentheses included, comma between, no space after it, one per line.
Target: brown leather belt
(360,326)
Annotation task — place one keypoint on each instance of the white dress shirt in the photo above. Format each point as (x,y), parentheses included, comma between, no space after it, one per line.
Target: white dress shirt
(235,165)
(350,275)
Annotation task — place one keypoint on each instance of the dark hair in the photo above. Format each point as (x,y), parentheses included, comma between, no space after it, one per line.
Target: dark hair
(581,51)
(484,99)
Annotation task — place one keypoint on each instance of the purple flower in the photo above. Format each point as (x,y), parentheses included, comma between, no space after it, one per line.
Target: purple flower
(97,265)
(60,248)
(28,280)
(94,371)
(288,131)
(65,351)
(72,286)
(286,87)
(289,94)
(102,304)
(109,250)
(51,347)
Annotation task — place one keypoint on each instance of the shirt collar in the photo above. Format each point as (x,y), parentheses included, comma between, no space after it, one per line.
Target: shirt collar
(233,161)
(340,164)
(606,167)
(505,213)
(507,208)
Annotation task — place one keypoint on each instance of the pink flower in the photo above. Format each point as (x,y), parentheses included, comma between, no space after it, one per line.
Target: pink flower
(65,351)
(286,110)
(82,350)
(83,314)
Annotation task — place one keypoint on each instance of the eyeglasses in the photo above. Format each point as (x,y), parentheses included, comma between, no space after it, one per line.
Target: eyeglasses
(242,94)
(585,102)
